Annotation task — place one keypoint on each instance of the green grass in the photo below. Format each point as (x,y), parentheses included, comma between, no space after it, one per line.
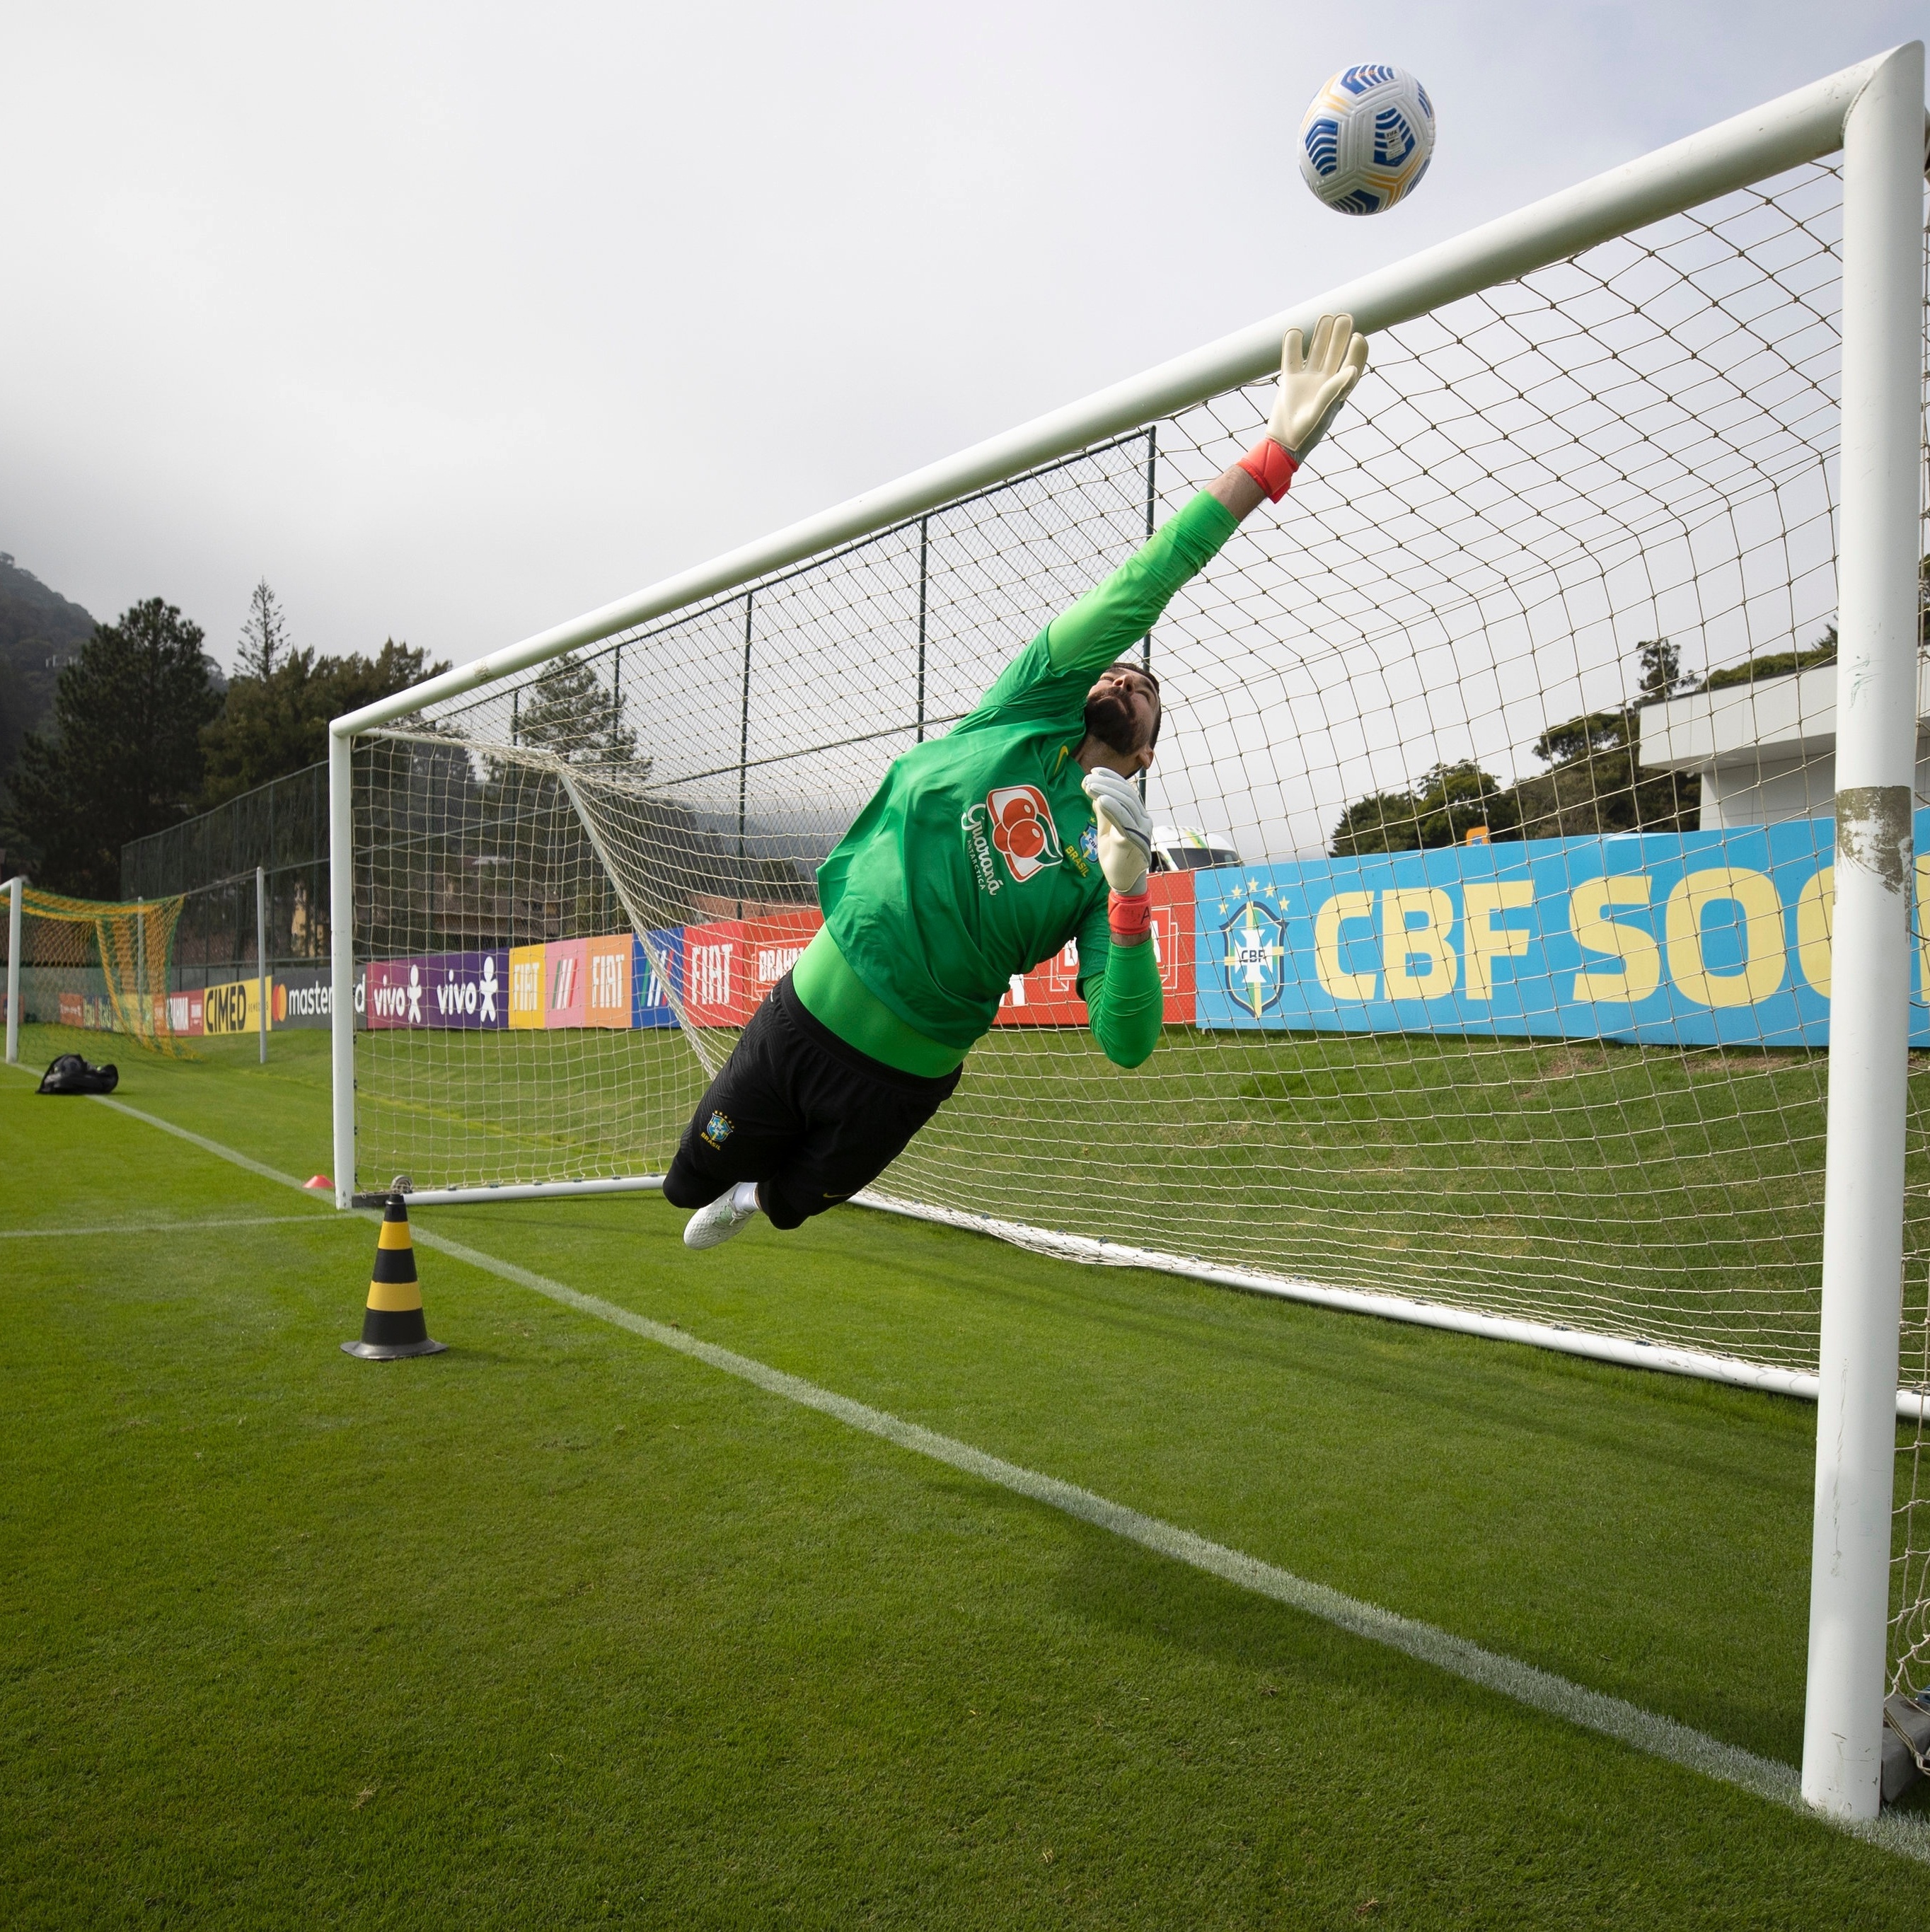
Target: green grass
(561,1627)
(1647,1192)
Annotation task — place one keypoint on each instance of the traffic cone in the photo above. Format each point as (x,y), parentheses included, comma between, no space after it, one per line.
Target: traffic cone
(392,1325)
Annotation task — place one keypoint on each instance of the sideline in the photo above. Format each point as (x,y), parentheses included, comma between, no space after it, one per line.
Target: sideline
(1907,1835)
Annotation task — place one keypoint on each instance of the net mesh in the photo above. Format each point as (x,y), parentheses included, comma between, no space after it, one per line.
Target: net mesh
(1562,578)
(95,963)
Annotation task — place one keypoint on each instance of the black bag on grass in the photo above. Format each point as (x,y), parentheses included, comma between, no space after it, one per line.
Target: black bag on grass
(71,1074)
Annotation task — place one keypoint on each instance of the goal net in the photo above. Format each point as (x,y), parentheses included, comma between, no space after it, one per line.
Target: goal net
(1495,787)
(94,964)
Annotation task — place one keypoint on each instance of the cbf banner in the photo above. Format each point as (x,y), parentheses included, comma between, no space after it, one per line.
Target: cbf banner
(1699,938)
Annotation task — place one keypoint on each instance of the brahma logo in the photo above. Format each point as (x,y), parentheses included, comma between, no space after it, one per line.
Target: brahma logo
(1016,820)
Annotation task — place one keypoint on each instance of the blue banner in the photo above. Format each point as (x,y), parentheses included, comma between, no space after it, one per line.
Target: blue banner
(650,1000)
(1698,937)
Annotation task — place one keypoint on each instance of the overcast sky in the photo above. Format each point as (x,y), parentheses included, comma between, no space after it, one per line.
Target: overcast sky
(455,321)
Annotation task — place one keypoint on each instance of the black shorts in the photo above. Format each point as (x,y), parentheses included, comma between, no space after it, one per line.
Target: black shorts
(809,1118)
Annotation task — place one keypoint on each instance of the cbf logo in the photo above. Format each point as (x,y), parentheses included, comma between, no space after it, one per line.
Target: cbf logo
(1255,947)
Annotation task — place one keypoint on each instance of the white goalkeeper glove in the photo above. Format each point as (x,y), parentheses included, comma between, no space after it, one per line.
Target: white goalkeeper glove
(1315,383)
(1125,830)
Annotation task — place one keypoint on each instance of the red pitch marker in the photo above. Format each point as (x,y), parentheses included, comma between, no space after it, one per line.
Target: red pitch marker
(318,1183)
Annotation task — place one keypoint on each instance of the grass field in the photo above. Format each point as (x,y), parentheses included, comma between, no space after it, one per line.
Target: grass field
(1664,1194)
(565,1627)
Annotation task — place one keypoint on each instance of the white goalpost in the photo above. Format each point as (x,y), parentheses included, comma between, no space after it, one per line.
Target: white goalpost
(1539,929)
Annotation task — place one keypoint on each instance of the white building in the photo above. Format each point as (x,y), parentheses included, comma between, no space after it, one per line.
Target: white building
(1765,751)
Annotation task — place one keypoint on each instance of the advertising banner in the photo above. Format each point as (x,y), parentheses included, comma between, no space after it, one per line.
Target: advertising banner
(715,984)
(464,989)
(606,968)
(1049,994)
(772,946)
(184,1012)
(234,1007)
(564,982)
(394,995)
(446,989)
(651,1005)
(526,986)
(303,997)
(730,965)
(1698,937)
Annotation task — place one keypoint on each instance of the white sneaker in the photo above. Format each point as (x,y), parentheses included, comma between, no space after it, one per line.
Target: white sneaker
(710,1227)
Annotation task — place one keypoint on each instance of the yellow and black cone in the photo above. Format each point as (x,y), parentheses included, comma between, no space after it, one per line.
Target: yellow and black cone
(393,1325)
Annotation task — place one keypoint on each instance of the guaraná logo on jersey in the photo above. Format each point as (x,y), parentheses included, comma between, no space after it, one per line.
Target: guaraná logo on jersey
(1018,823)
(1256,947)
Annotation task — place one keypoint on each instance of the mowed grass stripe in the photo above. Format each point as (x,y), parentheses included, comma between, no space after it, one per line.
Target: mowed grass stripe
(1626,1724)
(111,1228)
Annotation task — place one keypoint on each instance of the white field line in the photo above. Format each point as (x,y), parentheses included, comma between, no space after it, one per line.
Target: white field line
(108,1228)
(1627,1723)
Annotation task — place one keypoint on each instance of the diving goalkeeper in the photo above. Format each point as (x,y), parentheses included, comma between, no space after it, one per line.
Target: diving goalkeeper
(983,853)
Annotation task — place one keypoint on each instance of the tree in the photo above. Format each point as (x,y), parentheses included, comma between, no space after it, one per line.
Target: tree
(125,759)
(566,710)
(1441,810)
(1594,783)
(1778,663)
(264,633)
(272,725)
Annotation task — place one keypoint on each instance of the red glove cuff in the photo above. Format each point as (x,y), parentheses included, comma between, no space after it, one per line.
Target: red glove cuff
(1131,918)
(1270,466)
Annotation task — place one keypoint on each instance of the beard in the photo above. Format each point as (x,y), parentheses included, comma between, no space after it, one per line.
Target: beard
(1110,718)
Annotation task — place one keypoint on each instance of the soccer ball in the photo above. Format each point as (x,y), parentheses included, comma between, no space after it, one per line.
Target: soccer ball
(1367,138)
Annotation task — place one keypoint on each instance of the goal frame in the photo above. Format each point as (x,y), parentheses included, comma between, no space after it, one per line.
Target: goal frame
(1873,113)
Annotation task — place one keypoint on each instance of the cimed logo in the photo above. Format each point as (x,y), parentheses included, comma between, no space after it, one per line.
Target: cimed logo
(1256,943)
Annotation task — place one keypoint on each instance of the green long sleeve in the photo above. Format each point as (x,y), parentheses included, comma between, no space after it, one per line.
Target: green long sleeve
(1113,616)
(1126,1004)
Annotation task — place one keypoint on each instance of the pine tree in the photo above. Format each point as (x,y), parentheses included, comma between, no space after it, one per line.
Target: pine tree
(271,726)
(264,635)
(567,711)
(125,757)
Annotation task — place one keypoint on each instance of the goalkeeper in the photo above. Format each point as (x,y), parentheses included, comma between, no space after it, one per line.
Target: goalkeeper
(983,853)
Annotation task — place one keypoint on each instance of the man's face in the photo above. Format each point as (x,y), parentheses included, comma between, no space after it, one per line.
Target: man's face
(1122,708)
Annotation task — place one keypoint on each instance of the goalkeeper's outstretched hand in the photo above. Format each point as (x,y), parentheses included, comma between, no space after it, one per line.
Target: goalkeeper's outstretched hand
(1125,830)
(1314,382)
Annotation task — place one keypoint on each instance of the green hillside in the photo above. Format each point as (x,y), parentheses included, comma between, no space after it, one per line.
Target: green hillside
(40,630)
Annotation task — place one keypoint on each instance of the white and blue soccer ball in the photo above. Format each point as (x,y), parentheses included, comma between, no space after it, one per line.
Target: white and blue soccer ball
(1367,138)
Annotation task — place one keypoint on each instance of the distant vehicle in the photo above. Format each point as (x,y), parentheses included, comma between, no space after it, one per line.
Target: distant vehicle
(1184,848)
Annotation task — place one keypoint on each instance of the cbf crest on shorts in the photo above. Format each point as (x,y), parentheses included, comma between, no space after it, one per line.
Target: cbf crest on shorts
(718,1128)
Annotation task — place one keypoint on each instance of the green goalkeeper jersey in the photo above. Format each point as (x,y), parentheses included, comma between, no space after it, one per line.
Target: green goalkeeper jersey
(978,857)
